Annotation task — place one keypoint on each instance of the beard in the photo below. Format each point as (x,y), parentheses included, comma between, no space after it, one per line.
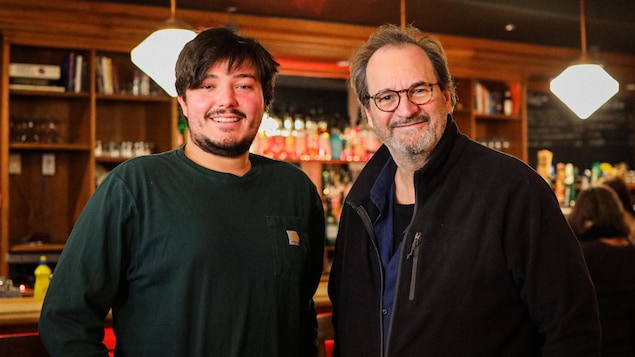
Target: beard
(229,149)
(413,143)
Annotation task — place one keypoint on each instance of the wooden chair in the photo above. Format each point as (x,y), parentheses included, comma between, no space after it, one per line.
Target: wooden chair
(22,345)
(325,334)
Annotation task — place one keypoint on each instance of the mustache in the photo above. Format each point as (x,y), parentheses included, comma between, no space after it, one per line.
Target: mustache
(421,118)
(233,111)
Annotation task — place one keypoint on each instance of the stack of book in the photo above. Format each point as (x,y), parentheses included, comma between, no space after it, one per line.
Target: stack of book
(31,76)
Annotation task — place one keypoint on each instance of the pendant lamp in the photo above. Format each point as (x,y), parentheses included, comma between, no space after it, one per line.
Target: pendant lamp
(156,56)
(585,86)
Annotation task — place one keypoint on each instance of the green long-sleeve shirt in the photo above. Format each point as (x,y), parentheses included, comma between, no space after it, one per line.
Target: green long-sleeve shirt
(192,262)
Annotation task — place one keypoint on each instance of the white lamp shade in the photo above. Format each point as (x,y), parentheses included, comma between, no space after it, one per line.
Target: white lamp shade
(156,56)
(584,88)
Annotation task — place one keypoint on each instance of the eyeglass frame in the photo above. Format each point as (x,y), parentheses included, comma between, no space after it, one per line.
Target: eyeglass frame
(408,94)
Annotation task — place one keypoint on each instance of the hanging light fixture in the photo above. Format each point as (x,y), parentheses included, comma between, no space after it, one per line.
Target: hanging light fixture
(402,14)
(585,86)
(156,56)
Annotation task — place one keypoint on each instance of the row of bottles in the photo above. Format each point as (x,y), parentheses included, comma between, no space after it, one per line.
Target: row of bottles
(35,129)
(293,136)
(496,143)
(567,180)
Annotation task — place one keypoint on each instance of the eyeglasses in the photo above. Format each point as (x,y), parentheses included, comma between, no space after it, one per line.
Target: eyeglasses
(388,100)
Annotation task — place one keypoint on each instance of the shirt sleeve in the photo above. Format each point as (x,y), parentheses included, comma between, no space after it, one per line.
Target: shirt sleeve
(86,277)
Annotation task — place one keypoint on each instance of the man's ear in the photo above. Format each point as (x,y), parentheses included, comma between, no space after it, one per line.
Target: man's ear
(183,104)
(448,102)
(366,116)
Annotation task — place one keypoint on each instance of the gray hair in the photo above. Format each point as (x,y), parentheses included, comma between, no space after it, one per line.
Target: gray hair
(391,35)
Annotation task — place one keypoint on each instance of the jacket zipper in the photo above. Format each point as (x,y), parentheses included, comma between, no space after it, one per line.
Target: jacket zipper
(369,228)
(414,254)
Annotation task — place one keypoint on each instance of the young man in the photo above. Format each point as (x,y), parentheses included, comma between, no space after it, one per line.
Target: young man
(446,247)
(206,250)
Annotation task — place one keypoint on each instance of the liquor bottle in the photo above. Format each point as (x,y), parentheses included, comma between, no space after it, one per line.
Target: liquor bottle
(332,224)
(312,136)
(508,103)
(299,128)
(569,185)
(336,144)
(42,278)
(560,183)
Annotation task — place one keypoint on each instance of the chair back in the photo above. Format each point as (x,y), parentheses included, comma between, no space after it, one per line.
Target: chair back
(325,335)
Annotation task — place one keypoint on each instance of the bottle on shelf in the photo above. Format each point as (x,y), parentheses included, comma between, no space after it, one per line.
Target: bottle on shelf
(332,225)
(42,278)
(336,144)
(332,191)
(508,103)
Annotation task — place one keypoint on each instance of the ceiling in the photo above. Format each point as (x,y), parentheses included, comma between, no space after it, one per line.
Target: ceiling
(610,24)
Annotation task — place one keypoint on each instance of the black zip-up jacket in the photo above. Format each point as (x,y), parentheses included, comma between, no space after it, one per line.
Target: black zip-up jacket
(489,265)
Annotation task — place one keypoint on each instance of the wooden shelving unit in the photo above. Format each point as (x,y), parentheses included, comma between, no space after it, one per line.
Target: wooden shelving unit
(489,124)
(61,129)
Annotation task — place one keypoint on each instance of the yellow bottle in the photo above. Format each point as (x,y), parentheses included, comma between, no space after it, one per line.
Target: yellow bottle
(42,278)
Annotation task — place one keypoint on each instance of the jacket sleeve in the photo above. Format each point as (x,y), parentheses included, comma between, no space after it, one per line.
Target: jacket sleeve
(311,277)
(548,266)
(86,277)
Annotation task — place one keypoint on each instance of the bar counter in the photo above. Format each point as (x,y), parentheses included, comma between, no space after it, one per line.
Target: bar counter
(22,314)
(19,314)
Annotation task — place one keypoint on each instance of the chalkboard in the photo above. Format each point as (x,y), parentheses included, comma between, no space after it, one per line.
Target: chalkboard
(606,136)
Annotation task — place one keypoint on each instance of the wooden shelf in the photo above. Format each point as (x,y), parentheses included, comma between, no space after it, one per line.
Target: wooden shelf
(43,93)
(496,117)
(36,248)
(133,98)
(49,147)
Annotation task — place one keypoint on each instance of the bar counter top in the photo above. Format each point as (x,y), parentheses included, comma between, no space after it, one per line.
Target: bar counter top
(22,314)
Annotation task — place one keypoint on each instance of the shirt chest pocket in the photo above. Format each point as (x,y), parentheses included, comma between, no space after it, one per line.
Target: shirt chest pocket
(289,244)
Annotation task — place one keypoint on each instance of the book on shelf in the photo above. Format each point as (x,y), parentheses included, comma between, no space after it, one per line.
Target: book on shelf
(74,72)
(68,71)
(37,87)
(81,77)
(35,71)
(38,84)
(107,76)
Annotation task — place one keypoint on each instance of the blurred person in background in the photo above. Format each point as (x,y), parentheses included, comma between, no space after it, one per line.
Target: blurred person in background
(597,218)
(623,193)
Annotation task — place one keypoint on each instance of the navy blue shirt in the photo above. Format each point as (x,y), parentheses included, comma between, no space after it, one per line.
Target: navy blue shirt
(383,196)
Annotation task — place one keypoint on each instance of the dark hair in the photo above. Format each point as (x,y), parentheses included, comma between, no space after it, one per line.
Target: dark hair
(597,213)
(619,186)
(219,44)
(391,35)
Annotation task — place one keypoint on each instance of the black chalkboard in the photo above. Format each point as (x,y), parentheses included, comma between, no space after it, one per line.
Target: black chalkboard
(606,136)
